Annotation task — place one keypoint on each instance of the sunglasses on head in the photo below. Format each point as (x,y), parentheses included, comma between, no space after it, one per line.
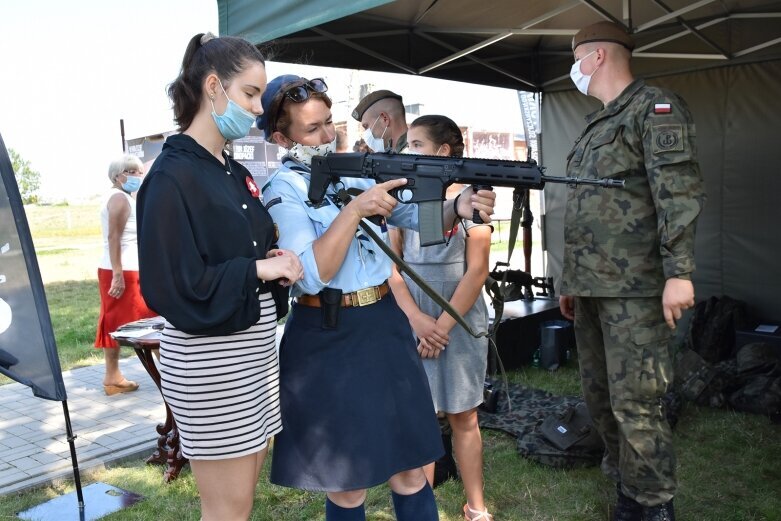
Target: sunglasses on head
(299,93)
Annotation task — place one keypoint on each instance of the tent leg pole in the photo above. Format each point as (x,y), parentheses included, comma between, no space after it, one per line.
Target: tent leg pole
(74,460)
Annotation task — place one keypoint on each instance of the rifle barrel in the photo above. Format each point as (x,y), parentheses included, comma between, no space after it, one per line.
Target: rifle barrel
(607,183)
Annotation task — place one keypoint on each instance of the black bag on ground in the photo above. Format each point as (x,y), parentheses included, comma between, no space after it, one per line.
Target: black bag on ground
(712,328)
(700,382)
(445,467)
(571,428)
(565,440)
(759,374)
(530,409)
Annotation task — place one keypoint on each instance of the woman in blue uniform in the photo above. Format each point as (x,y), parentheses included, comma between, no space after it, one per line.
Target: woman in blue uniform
(209,267)
(357,410)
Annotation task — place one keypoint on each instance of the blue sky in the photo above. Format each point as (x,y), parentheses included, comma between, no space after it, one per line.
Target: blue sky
(72,69)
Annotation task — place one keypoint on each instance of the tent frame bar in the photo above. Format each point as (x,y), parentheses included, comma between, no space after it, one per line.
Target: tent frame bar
(671,15)
(694,30)
(479,61)
(361,48)
(464,52)
(602,12)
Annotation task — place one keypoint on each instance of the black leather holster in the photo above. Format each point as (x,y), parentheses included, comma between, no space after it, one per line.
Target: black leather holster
(330,303)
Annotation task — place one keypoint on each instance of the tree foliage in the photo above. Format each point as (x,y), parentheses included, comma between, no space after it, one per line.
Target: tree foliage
(29,180)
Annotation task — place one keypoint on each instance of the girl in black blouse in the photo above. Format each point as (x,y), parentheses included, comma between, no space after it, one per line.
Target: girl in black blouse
(209,266)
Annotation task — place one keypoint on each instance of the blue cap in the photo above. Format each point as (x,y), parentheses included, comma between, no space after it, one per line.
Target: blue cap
(272,89)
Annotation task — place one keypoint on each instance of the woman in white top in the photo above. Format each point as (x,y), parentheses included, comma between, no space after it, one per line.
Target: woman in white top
(120,293)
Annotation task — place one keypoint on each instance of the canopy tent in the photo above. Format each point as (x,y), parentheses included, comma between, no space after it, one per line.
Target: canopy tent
(522,45)
(723,56)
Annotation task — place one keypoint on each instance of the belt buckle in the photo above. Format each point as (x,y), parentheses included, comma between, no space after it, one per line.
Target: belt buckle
(366,296)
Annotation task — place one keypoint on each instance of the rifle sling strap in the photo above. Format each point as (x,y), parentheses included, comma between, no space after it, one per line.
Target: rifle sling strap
(495,289)
(344,198)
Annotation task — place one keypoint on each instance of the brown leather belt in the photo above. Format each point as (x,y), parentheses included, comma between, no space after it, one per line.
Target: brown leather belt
(362,297)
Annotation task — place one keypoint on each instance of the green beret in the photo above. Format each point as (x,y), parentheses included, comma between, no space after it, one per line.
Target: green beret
(603,32)
(370,99)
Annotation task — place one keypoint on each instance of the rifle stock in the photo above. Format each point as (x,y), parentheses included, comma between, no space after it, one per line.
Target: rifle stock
(428,178)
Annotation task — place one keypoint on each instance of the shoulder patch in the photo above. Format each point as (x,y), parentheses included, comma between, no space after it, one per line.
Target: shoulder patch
(667,138)
(272,202)
(663,108)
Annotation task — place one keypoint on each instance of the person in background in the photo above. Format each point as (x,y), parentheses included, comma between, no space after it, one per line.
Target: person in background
(384,121)
(120,294)
(628,262)
(356,409)
(341,141)
(360,146)
(456,270)
(210,268)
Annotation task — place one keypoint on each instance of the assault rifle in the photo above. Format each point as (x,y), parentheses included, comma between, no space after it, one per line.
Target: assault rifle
(429,176)
(520,283)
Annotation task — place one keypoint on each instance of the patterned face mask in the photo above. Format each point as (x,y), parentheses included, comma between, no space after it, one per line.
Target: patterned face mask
(305,153)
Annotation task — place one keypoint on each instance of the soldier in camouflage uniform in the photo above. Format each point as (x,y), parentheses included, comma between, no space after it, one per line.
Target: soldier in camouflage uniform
(628,260)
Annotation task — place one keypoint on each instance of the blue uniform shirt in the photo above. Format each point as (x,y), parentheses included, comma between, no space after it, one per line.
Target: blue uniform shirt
(300,223)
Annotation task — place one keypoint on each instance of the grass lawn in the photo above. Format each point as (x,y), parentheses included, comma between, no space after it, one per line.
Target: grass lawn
(728,470)
(728,462)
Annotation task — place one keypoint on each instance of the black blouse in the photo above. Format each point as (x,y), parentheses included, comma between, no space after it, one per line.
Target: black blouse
(200,230)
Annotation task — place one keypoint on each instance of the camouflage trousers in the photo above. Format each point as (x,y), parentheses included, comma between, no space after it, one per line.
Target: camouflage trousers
(625,369)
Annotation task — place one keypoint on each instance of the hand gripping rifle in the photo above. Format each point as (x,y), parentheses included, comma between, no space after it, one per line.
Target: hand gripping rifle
(429,176)
(427,180)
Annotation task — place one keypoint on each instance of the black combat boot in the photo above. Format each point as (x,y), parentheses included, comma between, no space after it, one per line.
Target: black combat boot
(627,509)
(663,512)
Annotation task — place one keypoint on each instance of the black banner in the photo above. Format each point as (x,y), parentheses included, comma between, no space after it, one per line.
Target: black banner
(28,352)
(257,155)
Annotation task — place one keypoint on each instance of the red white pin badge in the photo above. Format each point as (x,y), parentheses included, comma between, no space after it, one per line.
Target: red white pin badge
(452,232)
(252,187)
(662,108)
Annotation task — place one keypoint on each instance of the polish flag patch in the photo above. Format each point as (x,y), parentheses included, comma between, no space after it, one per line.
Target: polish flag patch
(252,187)
(662,108)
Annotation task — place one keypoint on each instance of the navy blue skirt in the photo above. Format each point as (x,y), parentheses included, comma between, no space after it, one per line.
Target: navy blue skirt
(356,406)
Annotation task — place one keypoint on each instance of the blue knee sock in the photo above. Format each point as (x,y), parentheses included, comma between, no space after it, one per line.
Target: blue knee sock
(334,512)
(419,506)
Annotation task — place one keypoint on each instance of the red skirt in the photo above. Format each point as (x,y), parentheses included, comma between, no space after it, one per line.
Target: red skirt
(115,312)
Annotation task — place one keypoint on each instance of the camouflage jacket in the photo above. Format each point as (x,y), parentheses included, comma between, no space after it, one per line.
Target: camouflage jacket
(401,144)
(629,241)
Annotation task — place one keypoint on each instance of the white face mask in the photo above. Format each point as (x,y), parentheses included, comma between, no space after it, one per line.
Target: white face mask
(581,80)
(377,144)
(305,153)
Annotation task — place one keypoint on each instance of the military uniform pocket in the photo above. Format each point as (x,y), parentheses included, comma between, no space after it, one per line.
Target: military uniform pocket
(649,334)
(653,370)
(643,359)
(609,154)
(322,215)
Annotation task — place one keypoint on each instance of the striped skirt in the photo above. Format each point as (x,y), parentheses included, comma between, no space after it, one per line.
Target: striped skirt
(223,390)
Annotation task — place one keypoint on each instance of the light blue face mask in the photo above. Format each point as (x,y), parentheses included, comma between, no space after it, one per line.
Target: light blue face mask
(235,122)
(132,184)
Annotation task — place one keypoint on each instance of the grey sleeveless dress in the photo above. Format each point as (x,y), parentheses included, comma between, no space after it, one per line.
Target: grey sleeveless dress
(456,377)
